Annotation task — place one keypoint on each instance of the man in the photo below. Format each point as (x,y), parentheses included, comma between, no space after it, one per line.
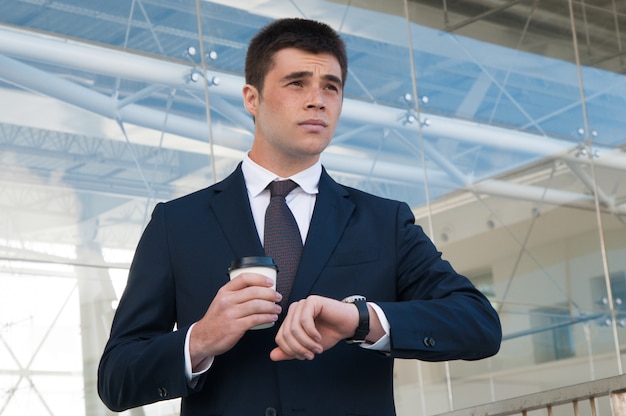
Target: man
(182,329)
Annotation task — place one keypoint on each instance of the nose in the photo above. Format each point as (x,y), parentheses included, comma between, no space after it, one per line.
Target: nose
(316,99)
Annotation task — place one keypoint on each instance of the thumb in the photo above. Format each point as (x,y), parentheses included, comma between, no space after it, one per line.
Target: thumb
(279,355)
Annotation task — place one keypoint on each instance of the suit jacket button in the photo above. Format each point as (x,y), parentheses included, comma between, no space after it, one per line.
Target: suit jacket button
(162,392)
(429,341)
(270,411)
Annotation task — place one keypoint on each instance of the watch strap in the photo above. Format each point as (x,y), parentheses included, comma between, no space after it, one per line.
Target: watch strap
(364,319)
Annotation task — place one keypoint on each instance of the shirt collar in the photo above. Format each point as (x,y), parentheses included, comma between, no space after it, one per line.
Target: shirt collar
(257,177)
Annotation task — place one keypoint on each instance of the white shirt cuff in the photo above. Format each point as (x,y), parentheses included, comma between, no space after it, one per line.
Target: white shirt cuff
(206,364)
(384,343)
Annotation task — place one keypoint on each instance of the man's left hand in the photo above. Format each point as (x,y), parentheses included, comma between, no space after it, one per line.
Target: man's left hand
(312,326)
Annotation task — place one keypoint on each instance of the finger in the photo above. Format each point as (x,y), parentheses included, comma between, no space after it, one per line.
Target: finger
(250,279)
(278,354)
(240,310)
(293,338)
(255,320)
(302,323)
(306,316)
(239,293)
(244,316)
(258,307)
(287,344)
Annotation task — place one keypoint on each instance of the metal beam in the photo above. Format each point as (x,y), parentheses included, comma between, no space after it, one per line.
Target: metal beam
(85,57)
(548,399)
(89,58)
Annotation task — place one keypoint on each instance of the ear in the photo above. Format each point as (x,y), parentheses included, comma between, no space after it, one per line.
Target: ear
(251,99)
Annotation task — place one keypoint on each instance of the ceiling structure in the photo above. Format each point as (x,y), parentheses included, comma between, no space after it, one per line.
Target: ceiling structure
(105,108)
(103,105)
(600,26)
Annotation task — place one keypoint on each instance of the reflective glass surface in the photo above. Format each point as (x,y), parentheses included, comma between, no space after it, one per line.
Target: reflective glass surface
(500,123)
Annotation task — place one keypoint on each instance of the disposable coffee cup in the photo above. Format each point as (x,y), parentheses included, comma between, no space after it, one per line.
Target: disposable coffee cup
(255,264)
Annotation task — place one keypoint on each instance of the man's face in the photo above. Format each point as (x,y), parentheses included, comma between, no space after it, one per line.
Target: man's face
(297,113)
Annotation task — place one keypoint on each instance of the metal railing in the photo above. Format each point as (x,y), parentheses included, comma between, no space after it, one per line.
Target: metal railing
(613,387)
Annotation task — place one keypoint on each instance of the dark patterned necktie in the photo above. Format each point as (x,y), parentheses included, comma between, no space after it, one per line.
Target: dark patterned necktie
(282,238)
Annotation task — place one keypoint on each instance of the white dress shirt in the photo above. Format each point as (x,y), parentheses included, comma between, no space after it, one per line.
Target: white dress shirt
(301,202)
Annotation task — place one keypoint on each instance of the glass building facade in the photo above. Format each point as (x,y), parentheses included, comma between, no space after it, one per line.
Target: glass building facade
(501,123)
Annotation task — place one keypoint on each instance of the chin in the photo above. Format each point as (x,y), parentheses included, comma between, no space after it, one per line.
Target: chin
(316,145)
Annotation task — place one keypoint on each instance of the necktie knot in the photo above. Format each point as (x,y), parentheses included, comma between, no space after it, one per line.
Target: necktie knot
(282,188)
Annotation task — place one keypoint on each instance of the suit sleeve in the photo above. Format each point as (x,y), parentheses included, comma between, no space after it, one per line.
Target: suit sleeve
(439,314)
(143,361)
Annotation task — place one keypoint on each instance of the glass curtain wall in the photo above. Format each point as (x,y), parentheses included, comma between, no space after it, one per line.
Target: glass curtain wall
(500,123)
(535,214)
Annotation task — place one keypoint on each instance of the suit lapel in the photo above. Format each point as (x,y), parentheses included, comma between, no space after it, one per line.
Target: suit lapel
(232,210)
(330,218)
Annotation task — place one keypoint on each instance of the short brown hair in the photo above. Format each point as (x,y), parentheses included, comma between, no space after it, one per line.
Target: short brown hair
(306,35)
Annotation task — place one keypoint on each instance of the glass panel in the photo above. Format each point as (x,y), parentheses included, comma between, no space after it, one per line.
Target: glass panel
(525,213)
(600,52)
(476,114)
(100,120)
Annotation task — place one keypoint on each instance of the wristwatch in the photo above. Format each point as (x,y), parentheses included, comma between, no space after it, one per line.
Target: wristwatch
(364,319)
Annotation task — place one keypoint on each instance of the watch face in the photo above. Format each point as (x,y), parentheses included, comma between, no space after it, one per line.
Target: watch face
(351,299)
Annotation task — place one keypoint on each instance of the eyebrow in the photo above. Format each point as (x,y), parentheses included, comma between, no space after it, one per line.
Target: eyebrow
(308,74)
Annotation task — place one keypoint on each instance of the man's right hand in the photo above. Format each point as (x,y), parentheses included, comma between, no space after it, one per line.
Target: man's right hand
(246,301)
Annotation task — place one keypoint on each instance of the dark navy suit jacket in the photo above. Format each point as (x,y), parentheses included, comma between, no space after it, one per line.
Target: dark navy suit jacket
(357,244)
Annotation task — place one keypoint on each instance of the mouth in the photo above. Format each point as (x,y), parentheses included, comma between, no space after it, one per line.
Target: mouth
(314,124)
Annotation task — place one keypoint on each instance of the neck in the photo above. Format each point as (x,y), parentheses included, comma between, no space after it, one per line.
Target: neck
(283,167)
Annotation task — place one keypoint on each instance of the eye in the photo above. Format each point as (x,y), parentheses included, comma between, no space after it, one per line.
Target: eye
(297,83)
